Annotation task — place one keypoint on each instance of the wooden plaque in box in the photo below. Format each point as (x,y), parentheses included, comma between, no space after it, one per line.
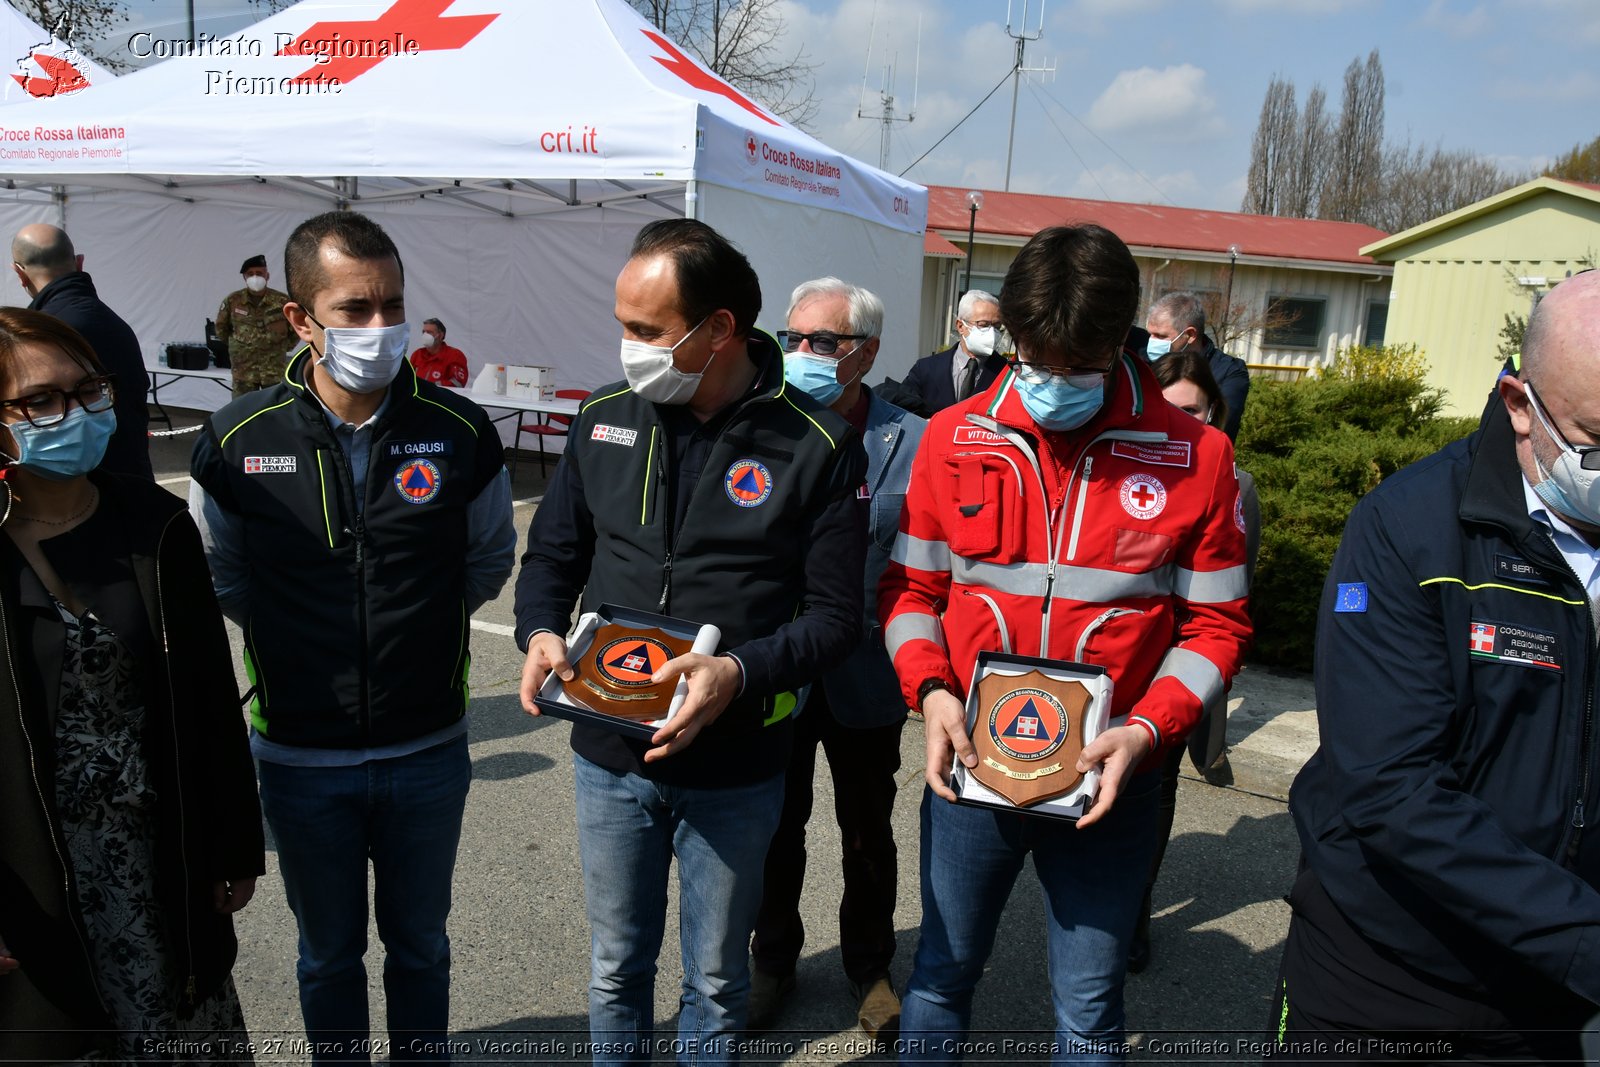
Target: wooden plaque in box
(613,674)
(1028,735)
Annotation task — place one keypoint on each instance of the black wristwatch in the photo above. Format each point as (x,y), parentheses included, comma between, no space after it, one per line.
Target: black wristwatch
(930,686)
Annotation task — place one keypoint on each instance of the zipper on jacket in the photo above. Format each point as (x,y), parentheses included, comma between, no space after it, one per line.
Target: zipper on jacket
(177,765)
(44,805)
(669,538)
(1099,621)
(357,532)
(360,535)
(999,617)
(1578,819)
(1077,516)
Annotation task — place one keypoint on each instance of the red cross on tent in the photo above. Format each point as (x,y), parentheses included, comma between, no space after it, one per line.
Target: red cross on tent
(419,24)
(695,75)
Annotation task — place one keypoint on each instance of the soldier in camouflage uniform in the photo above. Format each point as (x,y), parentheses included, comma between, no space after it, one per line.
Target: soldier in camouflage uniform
(251,321)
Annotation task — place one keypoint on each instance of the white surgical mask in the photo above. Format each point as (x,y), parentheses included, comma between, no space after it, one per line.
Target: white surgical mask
(364,359)
(1568,487)
(255,283)
(650,373)
(981,340)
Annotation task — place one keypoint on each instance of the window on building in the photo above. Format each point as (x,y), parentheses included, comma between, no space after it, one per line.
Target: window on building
(1295,321)
(1377,319)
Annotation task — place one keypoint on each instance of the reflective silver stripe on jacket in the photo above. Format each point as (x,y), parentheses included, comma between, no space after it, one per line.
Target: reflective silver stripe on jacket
(920,555)
(1211,587)
(1196,673)
(1088,584)
(912,626)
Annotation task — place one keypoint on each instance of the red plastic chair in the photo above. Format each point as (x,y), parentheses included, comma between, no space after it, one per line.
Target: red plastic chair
(549,425)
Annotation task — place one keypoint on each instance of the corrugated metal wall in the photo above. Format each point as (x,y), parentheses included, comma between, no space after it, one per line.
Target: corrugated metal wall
(1453,289)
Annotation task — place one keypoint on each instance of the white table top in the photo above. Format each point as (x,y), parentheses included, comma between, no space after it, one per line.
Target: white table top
(221,374)
(554,406)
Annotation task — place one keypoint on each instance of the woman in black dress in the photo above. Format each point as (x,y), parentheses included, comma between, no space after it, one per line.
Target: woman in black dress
(129,825)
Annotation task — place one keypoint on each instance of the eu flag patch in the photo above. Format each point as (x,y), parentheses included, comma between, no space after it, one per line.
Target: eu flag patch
(1352,597)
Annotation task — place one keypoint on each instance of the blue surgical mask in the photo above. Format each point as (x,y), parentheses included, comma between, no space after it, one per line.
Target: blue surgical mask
(1057,404)
(817,375)
(1157,347)
(67,449)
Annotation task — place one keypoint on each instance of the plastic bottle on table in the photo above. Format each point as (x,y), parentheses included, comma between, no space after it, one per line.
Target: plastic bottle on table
(500,379)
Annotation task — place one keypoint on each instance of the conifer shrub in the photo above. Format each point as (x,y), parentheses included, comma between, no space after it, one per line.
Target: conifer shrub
(1315,447)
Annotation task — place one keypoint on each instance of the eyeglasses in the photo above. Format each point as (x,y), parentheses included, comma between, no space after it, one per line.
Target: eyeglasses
(49,406)
(1077,377)
(823,342)
(1588,455)
(983,324)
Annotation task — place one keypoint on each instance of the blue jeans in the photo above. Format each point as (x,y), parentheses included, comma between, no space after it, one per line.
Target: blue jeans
(1093,881)
(404,815)
(629,830)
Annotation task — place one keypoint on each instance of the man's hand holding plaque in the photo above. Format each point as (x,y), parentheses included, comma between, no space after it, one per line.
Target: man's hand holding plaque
(1118,751)
(1032,737)
(649,676)
(944,723)
(622,672)
(547,654)
(713,683)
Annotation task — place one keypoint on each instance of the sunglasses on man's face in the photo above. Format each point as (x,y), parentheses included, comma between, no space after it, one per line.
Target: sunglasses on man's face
(823,342)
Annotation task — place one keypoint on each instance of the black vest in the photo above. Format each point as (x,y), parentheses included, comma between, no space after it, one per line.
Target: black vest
(737,560)
(357,632)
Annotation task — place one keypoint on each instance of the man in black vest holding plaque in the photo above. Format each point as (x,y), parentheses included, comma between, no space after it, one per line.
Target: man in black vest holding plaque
(703,488)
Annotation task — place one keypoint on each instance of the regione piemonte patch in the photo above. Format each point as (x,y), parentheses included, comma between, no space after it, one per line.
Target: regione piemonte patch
(613,435)
(269,464)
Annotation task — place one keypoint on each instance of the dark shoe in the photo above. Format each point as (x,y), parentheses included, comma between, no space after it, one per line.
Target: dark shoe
(1139,947)
(879,1011)
(1220,773)
(767,992)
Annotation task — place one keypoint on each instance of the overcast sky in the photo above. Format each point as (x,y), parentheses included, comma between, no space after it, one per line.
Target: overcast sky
(1156,100)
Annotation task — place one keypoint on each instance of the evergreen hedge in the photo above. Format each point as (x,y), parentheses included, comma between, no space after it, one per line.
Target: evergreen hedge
(1315,446)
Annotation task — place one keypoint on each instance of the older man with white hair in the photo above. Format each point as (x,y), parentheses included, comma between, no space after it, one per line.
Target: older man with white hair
(1449,890)
(855,711)
(967,367)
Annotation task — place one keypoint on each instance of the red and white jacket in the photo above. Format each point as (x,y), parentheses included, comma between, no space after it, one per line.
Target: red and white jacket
(1120,543)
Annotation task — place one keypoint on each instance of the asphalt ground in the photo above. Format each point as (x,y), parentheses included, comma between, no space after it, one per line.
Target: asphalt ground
(520,941)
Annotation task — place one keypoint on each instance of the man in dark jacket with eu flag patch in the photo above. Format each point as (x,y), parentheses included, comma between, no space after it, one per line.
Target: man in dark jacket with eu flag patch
(705,488)
(1447,905)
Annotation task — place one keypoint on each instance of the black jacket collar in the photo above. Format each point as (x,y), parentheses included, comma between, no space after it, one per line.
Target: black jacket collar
(76,283)
(1493,493)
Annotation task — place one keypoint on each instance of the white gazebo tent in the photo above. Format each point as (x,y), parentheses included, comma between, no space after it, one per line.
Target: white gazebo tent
(511,148)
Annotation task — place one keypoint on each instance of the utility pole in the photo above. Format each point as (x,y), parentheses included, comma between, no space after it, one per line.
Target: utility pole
(1022,35)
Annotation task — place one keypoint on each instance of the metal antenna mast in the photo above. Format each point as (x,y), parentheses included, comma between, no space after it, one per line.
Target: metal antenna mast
(1022,35)
(885,115)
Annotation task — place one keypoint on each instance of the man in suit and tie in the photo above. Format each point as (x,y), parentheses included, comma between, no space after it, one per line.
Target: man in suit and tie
(966,367)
